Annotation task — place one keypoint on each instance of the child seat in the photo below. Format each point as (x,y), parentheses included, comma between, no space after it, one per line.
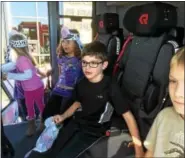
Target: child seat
(144,68)
(109,33)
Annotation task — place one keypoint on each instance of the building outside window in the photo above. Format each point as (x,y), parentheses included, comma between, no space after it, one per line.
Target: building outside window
(31,18)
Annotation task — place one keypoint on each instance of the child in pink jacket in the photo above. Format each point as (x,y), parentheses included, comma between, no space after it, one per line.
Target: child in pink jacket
(26,73)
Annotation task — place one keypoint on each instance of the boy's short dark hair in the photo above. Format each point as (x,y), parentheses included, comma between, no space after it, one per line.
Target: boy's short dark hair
(96,49)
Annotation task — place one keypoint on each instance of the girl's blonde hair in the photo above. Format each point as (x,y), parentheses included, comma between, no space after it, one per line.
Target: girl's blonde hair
(178,58)
(21,51)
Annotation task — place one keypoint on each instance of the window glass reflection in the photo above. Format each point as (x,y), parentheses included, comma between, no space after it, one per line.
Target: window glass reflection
(26,26)
(75,8)
(83,27)
(38,37)
(44,36)
(44,57)
(31,19)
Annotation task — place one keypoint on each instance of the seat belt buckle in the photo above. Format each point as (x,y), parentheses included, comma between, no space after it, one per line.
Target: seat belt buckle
(107,133)
(113,132)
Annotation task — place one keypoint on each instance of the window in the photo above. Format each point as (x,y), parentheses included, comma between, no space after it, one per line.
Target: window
(83,27)
(5,99)
(32,20)
(26,26)
(9,107)
(82,9)
(4,34)
(33,33)
(75,8)
(9,84)
(44,42)
(33,47)
(26,31)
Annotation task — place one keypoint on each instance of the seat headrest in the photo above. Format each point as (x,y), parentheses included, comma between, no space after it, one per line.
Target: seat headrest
(173,33)
(106,23)
(150,19)
(177,32)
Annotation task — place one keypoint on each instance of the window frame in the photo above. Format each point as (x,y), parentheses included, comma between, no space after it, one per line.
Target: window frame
(37,19)
(78,18)
(8,93)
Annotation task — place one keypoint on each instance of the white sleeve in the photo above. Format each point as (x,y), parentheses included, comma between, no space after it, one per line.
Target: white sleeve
(20,76)
(8,67)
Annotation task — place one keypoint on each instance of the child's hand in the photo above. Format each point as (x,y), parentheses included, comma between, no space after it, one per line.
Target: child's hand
(139,152)
(58,119)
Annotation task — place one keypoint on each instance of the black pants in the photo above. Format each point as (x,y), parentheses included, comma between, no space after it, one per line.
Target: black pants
(69,143)
(56,105)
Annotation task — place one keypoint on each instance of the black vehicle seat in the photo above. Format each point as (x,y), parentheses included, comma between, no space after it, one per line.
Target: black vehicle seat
(143,69)
(176,36)
(143,75)
(109,33)
(124,47)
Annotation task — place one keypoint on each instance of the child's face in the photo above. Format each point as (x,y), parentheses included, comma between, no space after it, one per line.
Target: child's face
(68,46)
(93,67)
(176,87)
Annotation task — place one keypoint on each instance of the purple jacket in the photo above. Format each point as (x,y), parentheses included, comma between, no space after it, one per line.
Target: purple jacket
(71,72)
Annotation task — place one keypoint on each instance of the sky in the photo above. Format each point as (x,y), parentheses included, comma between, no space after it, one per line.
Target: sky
(26,12)
(28,9)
